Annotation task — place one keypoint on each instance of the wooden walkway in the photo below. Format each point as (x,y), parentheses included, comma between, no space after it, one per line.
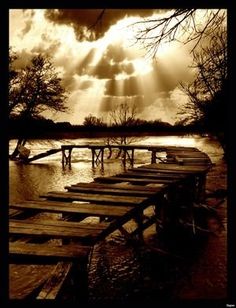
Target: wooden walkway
(65,242)
(174,153)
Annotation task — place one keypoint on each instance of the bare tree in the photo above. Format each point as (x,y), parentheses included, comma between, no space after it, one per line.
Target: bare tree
(122,115)
(34,89)
(179,25)
(207,93)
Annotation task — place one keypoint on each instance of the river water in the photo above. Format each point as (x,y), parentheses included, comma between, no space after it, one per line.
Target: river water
(117,270)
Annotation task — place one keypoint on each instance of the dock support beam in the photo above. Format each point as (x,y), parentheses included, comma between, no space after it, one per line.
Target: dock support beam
(153,157)
(66,157)
(128,156)
(97,156)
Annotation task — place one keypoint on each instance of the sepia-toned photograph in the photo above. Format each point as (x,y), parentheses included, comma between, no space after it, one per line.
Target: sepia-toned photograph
(118,155)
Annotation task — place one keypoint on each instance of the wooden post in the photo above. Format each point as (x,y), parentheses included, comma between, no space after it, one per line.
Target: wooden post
(153,158)
(139,220)
(132,157)
(160,211)
(102,156)
(201,188)
(63,157)
(79,280)
(93,155)
(97,156)
(66,159)
(124,157)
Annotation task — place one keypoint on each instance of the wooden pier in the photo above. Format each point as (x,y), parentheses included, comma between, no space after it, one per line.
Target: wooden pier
(98,153)
(173,154)
(65,242)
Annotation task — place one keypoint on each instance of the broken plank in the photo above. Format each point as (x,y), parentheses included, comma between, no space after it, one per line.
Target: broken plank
(26,280)
(54,283)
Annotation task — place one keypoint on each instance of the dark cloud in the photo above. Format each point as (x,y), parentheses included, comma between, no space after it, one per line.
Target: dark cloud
(84,19)
(110,65)
(105,70)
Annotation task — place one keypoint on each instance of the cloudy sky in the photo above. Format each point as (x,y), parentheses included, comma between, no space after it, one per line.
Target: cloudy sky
(103,67)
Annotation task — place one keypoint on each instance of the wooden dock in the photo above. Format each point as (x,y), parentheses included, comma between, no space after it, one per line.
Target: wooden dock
(65,242)
(173,154)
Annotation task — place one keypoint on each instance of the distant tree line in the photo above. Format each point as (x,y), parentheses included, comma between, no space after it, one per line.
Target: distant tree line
(45,127)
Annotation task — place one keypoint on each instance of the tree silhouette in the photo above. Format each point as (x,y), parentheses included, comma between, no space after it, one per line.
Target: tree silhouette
(207,93)
(180,25)
(122,115)
(34,89)
(93,121)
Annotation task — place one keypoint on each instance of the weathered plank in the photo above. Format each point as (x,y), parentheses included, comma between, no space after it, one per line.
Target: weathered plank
(26,280)
(73,208)
(186,154)
(45,253)
(181,148)
(133,180)
(54,283)
(161,167)
(160,175)
(120,186)
(41,230)
(42,155)
(98,198)
(14,212)
(59,223)
(109,191)
(150,175)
